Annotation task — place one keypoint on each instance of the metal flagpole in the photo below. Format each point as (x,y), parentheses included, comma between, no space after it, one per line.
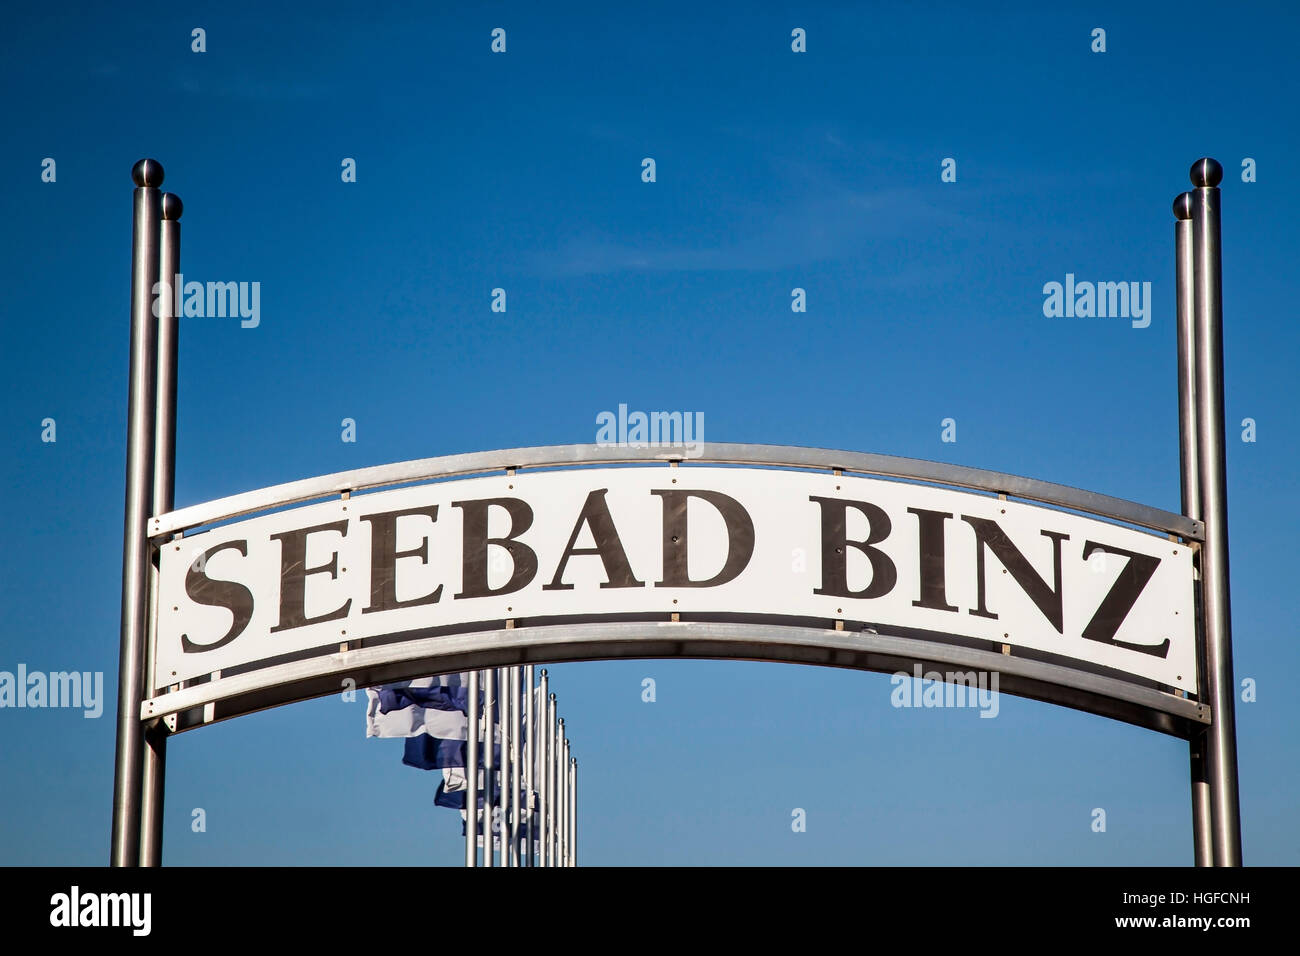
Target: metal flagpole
(1221,752)
(503,695)
(515,769)
(567,827)
(1191,495)
(516,818)
(573,804)
(557,770)
(544,776)
(471,775)
(489,764)
(551,819)
(544,769)
(512,783)
(154,769)
(543,746)
(136,562)
(568,803)
(561,746)
(530,752)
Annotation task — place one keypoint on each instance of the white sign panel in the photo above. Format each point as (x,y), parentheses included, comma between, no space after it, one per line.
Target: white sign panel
(618,541)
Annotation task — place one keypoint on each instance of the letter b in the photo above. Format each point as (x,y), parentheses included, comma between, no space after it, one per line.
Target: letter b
(835,545)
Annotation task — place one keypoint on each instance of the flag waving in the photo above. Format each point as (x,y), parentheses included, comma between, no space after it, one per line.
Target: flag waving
(436,706)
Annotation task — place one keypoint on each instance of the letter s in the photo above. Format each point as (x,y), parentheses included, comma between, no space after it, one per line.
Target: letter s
(231,595)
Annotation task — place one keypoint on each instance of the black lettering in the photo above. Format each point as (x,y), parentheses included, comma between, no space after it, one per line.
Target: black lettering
(934,593)
(474,563)
(1121,597)
(989,534)
(231,595)
(294,574)
(618,572)
(740,537)
(835,545)
(383,560)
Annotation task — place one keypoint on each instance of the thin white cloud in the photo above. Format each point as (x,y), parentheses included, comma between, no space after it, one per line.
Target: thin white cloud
(793,233)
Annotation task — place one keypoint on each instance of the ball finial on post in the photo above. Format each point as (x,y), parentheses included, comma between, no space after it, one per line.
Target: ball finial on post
(172,207)
(147,172)
(1182,206)
(1206,172)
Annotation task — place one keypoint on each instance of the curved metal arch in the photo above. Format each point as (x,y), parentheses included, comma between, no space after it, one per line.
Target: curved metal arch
(225,697)
(787,456)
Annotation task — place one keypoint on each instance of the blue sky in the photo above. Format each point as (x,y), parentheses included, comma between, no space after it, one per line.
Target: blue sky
(775,170)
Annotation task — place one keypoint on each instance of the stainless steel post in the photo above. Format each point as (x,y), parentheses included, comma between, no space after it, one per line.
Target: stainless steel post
(530,774)
(1191,495)
(573,813)
(503,716)
(567,858)
(154,769)
(129,757)
(560,794)
(489,765)
(552,746)
(516,817)
(1221,752)
(471,774)
(543,757)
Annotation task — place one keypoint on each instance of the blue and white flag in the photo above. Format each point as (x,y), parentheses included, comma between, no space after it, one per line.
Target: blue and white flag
(433,753)
(432,714)
(436,706)
(451,791)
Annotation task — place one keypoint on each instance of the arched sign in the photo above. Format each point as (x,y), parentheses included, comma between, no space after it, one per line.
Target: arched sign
(583,552)
(792,561)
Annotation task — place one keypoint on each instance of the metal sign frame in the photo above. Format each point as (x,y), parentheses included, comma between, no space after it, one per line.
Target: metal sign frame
(498,642)
(147,715)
